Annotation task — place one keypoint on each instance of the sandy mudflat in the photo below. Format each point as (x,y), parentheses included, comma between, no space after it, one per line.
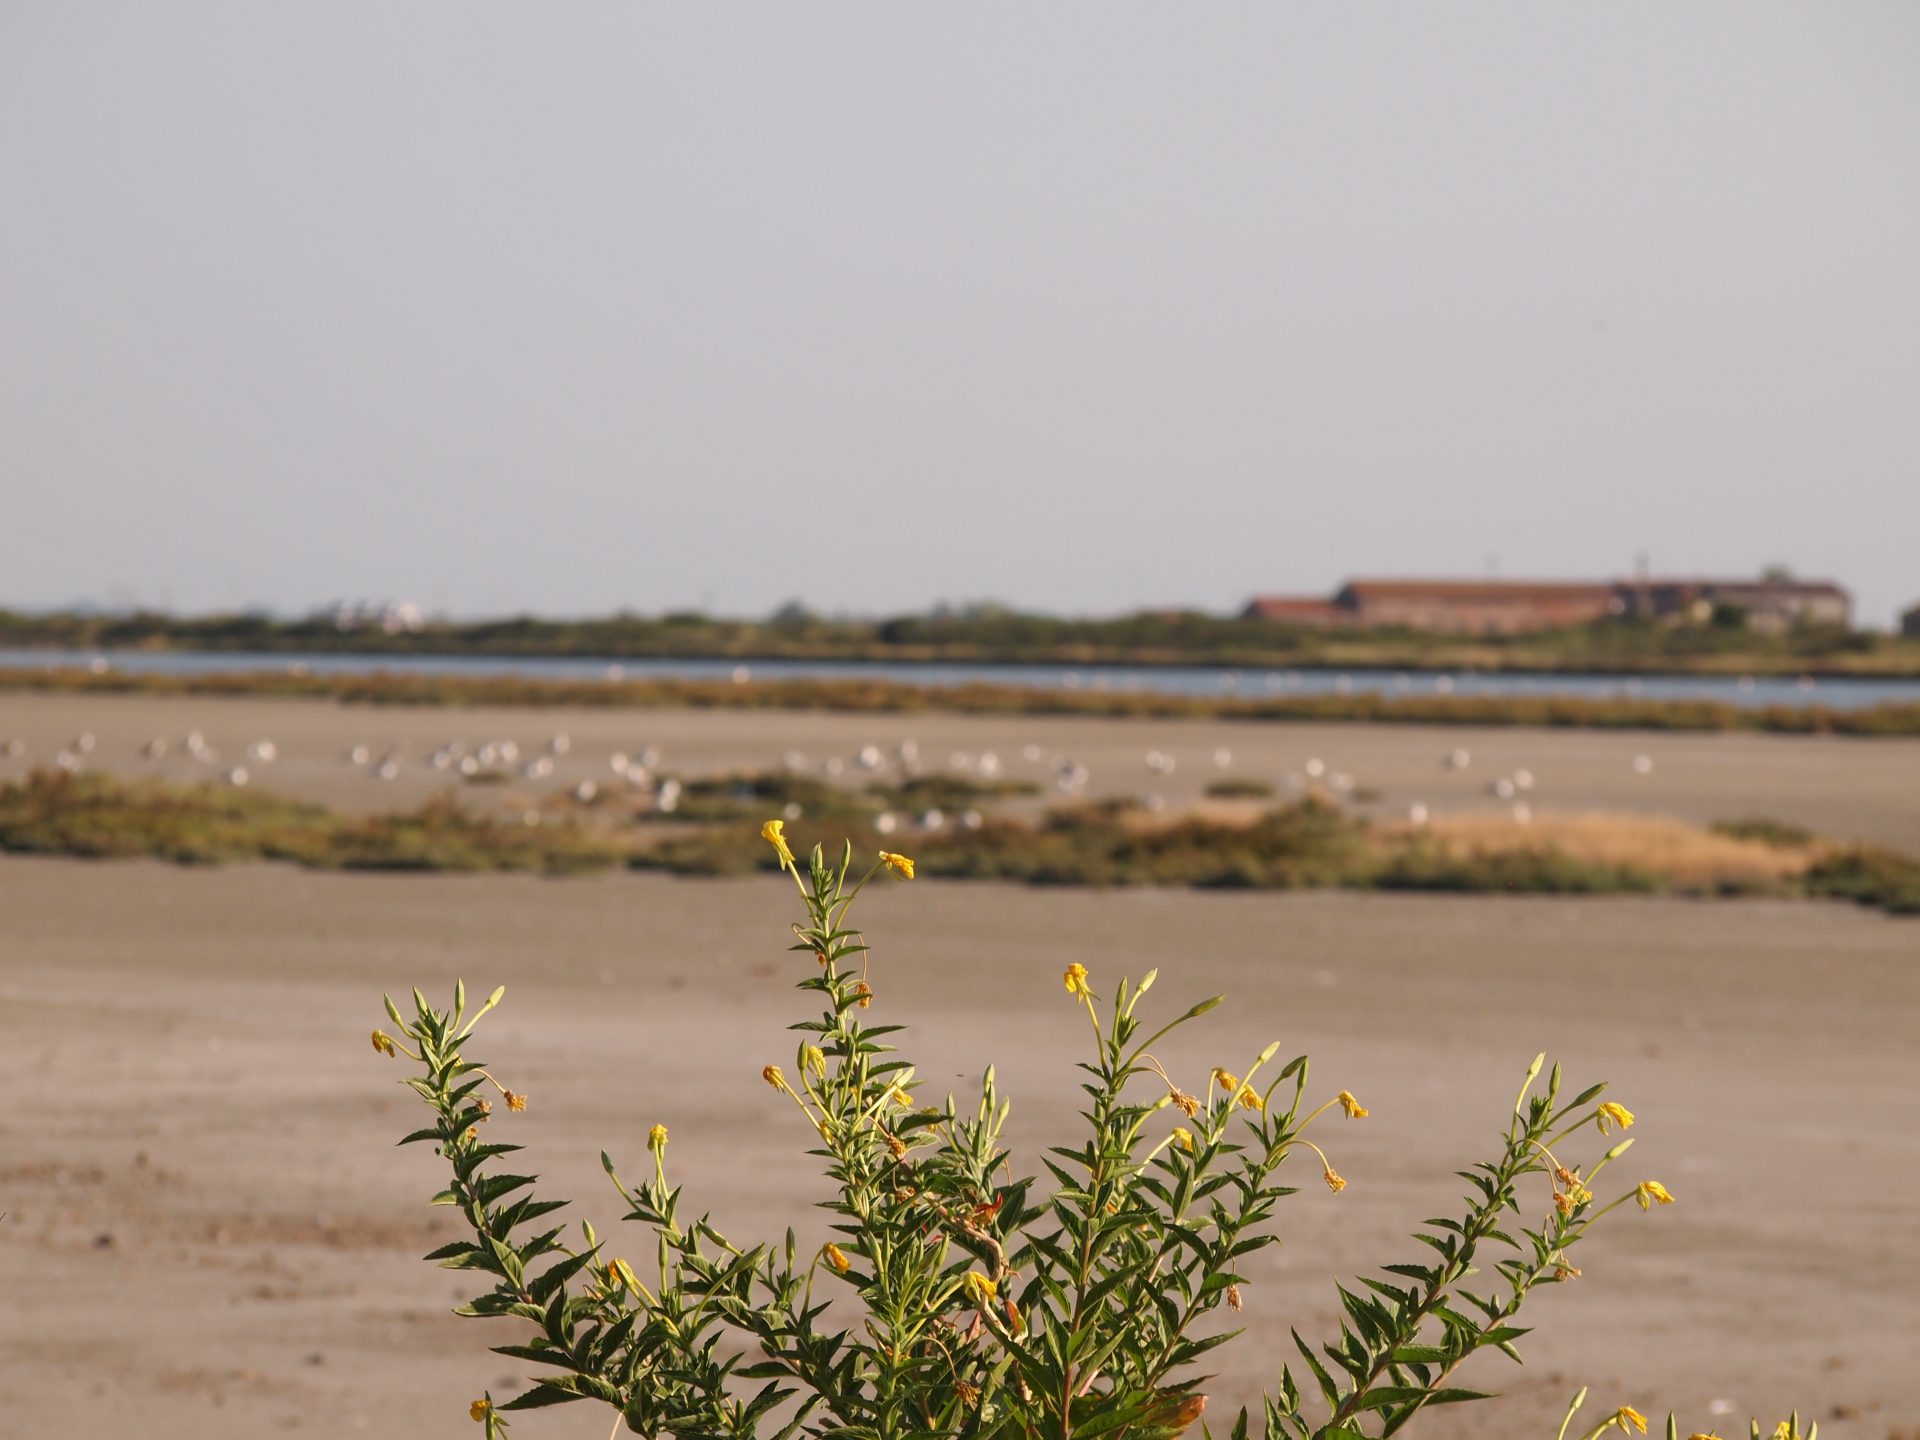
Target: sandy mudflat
(210,1233)
(1851,788)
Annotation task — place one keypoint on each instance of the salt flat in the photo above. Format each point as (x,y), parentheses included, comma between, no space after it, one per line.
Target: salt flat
(210,1234)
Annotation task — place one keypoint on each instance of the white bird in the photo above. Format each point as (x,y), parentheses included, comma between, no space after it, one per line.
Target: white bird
(972,819)
(389,769)
(1502,788)
(155,748)
(1643,764)
(1222,758)
(1030,754)
(1443,685)
(265,751)
(989,765)
(237,776)
(1523,779)
(618,762)
(509,752)
(359,755)
(83,742)
(1522,813)
(960,760)
(885,822)
(537,769)
(669,797)
(932,820)
(68,761)
(794,761)
(1457,760)
(1417,813)
(585,791)
(1315,768)
(469,765)
(559,744)
(907,753)
(650,757)
(869,757)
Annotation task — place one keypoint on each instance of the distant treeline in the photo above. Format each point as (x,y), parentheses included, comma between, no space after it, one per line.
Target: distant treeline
(881,696)
(1007,637)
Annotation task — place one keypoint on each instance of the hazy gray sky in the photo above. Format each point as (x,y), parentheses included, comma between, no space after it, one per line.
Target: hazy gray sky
(1082,306)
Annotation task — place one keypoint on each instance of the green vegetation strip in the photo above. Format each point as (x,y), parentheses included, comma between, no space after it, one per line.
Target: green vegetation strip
(996,635)
(893,697)
(1305,845)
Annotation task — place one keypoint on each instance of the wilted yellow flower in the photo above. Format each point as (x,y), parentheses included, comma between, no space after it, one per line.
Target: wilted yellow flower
(1566,1272)
(515,1101)
(980,1289)
(1234,1300)
(1250,1099)
(1334,1182)
(486,1107)
(1612,1115)
(1183,1137)
(814,1058)
(1651,1193)
(383,1044)
(1568,1200)
(479,1410)
(657,1139)
(968,1394)
(774,832)
(771,1074)
(1355,1110)
(1703,1435)
(900,864)
(895,1145)
(1076,981)
(1226,1079)
(1626,1415)
(836,1257)
(865,992)
(1190,1104)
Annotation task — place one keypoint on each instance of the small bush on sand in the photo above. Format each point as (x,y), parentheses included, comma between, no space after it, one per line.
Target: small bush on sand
(960,1297)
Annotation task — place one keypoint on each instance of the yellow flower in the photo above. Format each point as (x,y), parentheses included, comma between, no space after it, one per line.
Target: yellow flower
(1612,1114)
(515,1102)
(896,1096)
(1651,1193)
(898,863)
(771,1074)
(479,1410)
(657,1139)
(837,1258)
(774,833)
(1703,1435)
(1626,1415)
(1226,1080)
(980,1289)
(383,1044)
(1334,1182)
(1355,1110)
(621,1273)
(1183,1137)
(1076,980)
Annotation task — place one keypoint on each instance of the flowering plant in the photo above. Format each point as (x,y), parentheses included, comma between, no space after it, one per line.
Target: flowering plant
(959,1298)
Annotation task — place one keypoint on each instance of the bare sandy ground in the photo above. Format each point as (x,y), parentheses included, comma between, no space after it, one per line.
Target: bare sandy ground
(210,1234)
(1845,788)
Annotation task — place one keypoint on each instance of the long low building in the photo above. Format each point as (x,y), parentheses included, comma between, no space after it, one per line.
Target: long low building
(1514,607)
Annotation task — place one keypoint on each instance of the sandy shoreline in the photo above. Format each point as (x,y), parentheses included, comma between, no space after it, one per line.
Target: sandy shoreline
(1839,787)
(204,1173)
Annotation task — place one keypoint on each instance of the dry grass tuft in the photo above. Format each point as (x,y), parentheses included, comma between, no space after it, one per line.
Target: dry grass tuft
(1688,856)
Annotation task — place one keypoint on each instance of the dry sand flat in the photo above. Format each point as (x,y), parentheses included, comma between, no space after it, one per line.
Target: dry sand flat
(1841,787)
(211,1234)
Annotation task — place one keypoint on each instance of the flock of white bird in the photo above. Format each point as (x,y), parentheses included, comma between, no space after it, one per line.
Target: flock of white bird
(637,772)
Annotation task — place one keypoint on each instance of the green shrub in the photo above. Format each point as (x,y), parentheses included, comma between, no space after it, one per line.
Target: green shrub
(959,1296)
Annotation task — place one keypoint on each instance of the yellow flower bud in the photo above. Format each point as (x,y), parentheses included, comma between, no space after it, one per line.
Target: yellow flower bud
(1650,1193)
(774,833)
(1355,1110)
(657,1139)
(837,1258)
(900,864)
(1076,981)
(1612,1114)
